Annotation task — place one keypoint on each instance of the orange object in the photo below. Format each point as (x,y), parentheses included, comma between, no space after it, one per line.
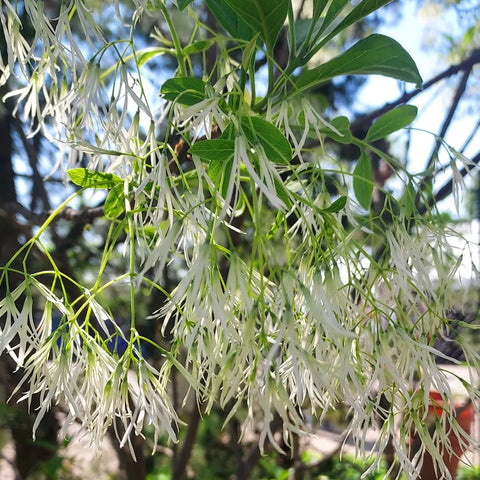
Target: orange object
(464,416)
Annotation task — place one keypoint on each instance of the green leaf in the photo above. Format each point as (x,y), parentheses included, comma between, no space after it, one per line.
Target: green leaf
(182,4)
(198,47)
(249,52)
(115,202)
(264,16)
(147,54)
(332,13)
(363,9)
(219,171)
(229,133)
(184,90)
(229,20)
(92,179)
(342,125)
(302,27)
(376,54)
(282,193)
(391,121)
(408,199)
(219,153)
(363,180)
(318,8)
(215,149)
(260,131)
(337,205)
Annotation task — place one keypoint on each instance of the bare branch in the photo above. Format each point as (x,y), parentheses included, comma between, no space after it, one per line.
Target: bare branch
(462,85)
(300,10)
(83,215)
(39,187)
(447,188)
(470,137)
(181,462)
(466,65)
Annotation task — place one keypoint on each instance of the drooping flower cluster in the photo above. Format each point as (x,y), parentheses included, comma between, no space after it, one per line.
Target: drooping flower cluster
(280,301)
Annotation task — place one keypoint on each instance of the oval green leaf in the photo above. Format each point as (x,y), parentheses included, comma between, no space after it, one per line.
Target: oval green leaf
(266,16)
(363,180)
(114,203)
(219,154)
(374,55)
(275,145)
(92,179)
(342,125)
(184,90)
(337,205)
(229,20)
(215,149)
(198,47)
(407,201)
(391,122)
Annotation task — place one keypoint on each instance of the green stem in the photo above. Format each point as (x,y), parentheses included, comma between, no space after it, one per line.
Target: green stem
(271,79)
(176,41)
(131,233)
(291,32)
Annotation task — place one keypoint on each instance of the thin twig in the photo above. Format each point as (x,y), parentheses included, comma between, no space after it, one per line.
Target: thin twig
(470,137)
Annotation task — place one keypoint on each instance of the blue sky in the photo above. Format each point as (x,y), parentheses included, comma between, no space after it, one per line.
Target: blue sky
(433,104)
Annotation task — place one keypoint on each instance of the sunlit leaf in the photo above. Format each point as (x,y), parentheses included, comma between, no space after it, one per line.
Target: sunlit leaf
(333,13)
(92,179)
(391,121)
(318,8)
(198,47)
(115,202)
(249,52)
(374,55)
(148,54)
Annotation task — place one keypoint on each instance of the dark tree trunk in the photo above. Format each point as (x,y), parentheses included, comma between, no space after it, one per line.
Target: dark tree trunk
(29,454)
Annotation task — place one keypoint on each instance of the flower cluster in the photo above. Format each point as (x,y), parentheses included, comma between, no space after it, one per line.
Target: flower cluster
(282,293)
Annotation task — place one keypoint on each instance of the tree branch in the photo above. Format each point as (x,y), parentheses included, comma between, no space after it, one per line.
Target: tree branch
(83,215)
(38,185)
(462,85)
(447,188)
(466,65)
(181,462)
